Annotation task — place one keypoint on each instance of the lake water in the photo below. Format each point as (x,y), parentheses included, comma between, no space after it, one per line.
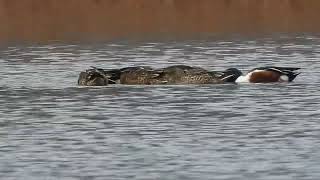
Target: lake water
(52,129)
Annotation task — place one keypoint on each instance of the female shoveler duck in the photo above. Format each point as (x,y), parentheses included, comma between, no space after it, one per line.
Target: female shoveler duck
(267,74)
(182,74)
(93,77)
(129,75)
(178,74)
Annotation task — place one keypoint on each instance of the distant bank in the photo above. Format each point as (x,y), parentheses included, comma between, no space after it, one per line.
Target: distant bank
(42,20)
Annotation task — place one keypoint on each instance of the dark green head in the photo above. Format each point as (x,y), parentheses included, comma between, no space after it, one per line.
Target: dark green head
(231,75)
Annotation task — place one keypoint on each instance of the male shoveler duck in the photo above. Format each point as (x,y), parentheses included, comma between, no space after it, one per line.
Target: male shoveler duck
(267,74)
(178,74)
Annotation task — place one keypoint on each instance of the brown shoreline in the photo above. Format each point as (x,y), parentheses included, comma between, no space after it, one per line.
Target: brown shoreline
(43,20)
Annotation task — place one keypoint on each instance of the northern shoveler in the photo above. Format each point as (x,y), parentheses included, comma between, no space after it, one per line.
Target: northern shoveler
(93,77)
(139,75)
(178,74)
(181,74)
(262,75)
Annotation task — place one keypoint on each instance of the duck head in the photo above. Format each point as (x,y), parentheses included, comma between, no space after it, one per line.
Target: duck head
(231,75)
(92,78)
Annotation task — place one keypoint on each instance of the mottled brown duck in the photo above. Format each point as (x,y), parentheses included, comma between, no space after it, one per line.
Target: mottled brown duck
(178,74)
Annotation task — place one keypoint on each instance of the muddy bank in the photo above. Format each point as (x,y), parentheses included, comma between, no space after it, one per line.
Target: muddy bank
(42,20)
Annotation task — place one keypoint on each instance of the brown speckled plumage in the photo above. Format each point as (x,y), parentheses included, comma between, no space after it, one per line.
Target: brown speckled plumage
(139,75)
(178,74)
(91,78)
(181,74)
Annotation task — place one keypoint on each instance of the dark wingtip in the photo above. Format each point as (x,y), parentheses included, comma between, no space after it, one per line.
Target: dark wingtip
(289,68)
(294,69)
(293,76)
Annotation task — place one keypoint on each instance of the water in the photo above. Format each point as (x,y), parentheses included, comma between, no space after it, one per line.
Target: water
(52,129)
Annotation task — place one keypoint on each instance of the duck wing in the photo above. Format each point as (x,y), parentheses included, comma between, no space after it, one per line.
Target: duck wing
(288,71)
(282,70)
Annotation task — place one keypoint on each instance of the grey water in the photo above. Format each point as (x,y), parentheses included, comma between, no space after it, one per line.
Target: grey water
(52,129)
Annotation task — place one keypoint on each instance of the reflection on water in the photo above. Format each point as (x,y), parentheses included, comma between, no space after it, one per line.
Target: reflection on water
(52,128)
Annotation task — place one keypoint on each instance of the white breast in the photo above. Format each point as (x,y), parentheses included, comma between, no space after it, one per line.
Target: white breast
(246,78)
(284,78)
(243,79)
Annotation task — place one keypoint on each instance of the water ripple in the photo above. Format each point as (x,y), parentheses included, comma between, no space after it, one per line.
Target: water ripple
(50,128)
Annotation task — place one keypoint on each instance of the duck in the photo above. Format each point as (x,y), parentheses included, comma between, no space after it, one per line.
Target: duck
(139,75)
(268,74)
(93,77)
(171,75)
(182,74)
(128,75)
(144,75)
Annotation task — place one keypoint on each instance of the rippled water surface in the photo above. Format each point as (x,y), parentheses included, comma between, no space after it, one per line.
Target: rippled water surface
(52,129)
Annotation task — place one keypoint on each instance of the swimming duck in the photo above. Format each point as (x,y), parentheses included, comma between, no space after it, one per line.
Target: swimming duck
(267,74)
(139,75)
(129,75)
(182,74)
(93,77)
(178,74)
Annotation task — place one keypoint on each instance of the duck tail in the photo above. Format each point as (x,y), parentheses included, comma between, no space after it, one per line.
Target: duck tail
(292,76)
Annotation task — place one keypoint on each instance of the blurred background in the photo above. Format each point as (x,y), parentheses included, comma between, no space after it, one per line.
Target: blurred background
(38,20)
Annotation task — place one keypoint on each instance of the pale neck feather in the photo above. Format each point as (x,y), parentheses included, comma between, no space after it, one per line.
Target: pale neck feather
(284,78)
(244,79)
